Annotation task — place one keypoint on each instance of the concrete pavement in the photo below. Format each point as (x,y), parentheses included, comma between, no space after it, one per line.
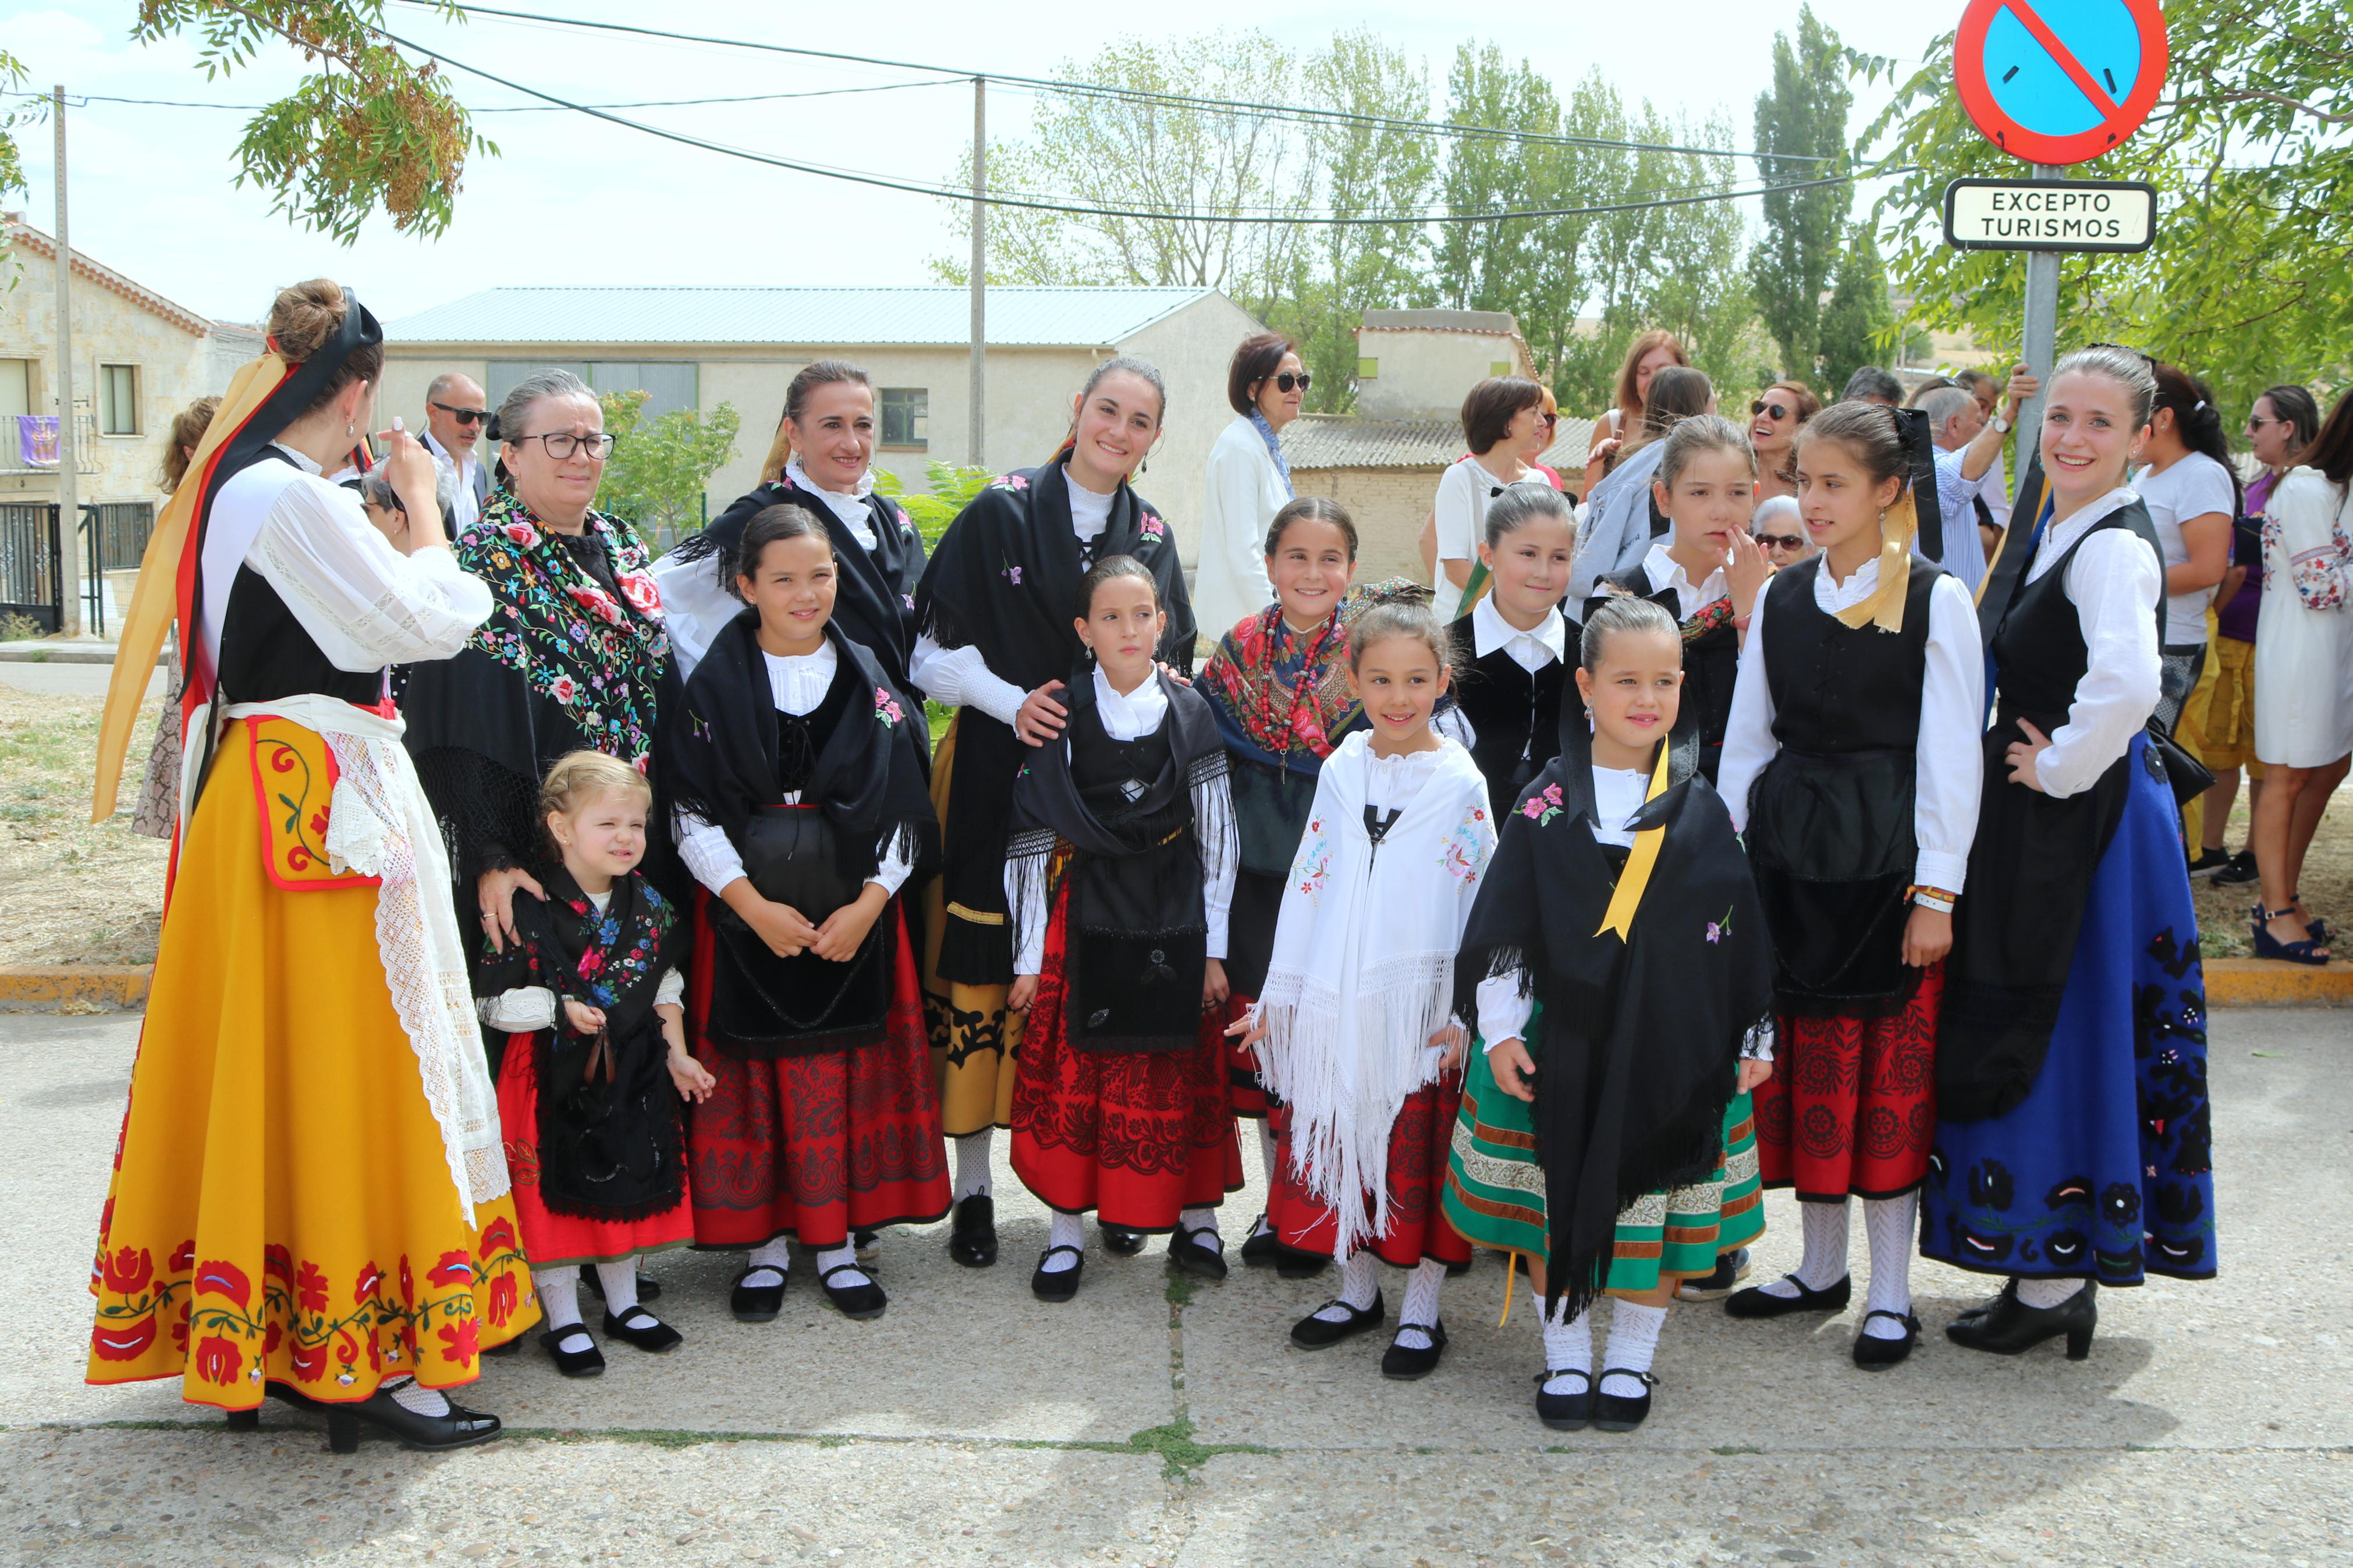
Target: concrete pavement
(1146,1422)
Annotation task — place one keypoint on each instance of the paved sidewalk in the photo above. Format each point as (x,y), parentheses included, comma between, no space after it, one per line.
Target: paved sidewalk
(1149,1424)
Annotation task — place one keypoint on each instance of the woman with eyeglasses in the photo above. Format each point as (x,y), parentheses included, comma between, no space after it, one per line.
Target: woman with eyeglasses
(1505,426)
(1249,481)
(1775,418)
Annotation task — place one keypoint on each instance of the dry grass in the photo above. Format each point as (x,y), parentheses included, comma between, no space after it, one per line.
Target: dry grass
(71,893)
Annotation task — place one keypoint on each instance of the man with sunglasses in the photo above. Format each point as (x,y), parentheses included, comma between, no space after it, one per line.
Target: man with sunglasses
(455,410)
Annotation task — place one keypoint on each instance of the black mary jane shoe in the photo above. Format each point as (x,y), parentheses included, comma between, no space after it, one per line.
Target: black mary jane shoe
(1189,1253)
(1291,1263)
(1263,1246)
(1120,1242)
(649,1287)
(1875,1354)
(244,1420)
(589,1363)
(1405,1363)
(972,1234)
(1315,1333)
(1758,1303)
(642,1329)
(858,1302)
(757,1303)
(1060,1284)
(1457,1270)
(2009,1326)
(1619,1412)
(461,1428)
(504,1348)
(1565,1412)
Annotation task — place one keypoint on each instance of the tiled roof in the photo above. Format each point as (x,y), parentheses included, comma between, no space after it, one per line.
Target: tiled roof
(1347,441)
(26,238)
(1016,317)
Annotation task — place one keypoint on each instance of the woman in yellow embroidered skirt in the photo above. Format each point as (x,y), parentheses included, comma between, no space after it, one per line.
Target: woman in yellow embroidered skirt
(308,1196)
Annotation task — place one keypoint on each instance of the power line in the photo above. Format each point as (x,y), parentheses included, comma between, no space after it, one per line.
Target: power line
(1273,111)
(945,192)
(83,100)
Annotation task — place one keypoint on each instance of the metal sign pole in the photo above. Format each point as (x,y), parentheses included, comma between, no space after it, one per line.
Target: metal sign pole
(68,453)
(977,439)
(2040,341)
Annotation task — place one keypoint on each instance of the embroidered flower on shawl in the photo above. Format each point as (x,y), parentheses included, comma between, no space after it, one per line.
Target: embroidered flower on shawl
(1315,861)
(1718,929)
(596,601)
(886,706)
(907,599)
(1151,529)
(523,533)
(1710,617)
(906,523)
(1466,855)
(1013,575)
(644,597)
(1541,809)
(1009,483)
(564,689)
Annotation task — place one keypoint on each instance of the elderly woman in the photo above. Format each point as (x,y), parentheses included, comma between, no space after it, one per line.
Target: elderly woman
(1249,482)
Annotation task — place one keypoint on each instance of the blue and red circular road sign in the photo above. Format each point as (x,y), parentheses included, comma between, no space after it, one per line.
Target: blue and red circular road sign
(2059,82)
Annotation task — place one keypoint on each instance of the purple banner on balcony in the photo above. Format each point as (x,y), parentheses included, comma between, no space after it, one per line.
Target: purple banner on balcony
(37,440)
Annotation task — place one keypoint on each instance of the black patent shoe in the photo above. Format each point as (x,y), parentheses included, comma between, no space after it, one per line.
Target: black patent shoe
(649,1287)
(1119,1241)
(1565,1412)
(642,1329)
(1757,1302)
(589,1363)
(461,1428)
(1060,1284)
(244,1420)
(972,1234)
(1617,1412)
(1405,1363)
(1291,1263)
(1315,1333)
(1263,1246)
(757,1303)
(2012,1328)
(1875,1354)
(1457,1270)
(1188,1252)
(1731,1268)
(858,1302)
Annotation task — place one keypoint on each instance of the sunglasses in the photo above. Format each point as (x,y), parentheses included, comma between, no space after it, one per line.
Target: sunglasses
(1777,410)
(2253,424)
(1781,541)
(464,415)
(1289,381)
(1549,421)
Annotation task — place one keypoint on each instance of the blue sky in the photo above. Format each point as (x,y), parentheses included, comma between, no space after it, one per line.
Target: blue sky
(573,201)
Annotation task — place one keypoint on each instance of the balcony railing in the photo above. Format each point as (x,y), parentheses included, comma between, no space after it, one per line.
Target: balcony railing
(29,444)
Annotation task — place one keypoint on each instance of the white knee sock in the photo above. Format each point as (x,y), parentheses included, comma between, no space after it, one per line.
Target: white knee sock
(1634,1341)
(776,1258)
(1063,1230)
(1360,1285)
(620,1283)
(2044,1294)
(1267,1151)
(1887,1222)
(1202,1223)
(559,1300)
(415,1396)
(972,1164)
(1569,1346)
(831,1257)
(1824,1263)
(1420,1302)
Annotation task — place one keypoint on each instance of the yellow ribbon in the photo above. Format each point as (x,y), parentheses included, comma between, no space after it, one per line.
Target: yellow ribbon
(1619,916)
(155,600)
(1883,607)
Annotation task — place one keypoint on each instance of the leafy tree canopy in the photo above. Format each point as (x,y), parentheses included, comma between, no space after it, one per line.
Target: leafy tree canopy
(659,466)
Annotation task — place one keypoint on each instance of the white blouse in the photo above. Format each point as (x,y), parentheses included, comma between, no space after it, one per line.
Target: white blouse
(851,509)
(1132,717)
(1948,753)
(798,683)
(533,1006)
(363,603)
(2114,584)
(1660,570)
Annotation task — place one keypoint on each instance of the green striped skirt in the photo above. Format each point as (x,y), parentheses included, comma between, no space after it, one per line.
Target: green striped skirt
(1495,1191)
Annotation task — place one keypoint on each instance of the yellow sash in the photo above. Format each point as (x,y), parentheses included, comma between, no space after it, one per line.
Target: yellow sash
(1628,897)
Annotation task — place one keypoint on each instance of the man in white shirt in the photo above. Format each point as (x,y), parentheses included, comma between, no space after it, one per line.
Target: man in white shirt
(455,410)
(1967,446)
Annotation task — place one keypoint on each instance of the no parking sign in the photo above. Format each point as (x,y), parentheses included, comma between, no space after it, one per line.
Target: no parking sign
(2059,82)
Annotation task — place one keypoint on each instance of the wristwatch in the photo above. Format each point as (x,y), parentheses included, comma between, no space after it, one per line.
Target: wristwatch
(2000,426)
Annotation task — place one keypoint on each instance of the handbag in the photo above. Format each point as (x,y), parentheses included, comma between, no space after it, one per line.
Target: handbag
(789,857)
(2190,777)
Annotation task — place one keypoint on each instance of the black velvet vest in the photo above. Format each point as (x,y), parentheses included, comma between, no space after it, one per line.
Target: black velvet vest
(1711,663)
(264,654)
(1514,716)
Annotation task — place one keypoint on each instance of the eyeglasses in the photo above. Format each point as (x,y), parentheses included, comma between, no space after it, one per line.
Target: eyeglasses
(562,444)
(1289,380)
(1760,406)
(1786,541)
(464,415)
(1549,421)
(2253,424)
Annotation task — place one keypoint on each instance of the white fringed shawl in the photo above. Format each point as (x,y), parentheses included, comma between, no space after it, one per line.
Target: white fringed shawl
(1363,969)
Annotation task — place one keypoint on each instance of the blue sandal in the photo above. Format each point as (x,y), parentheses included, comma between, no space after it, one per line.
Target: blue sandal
(2308,951)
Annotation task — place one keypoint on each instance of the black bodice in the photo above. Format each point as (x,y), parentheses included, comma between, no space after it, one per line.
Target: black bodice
(801,736)
(265,653)
(1840,689)
(1515,715)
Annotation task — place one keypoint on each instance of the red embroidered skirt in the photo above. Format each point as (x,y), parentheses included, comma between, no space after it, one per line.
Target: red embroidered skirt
(815,1146)
(1417,1227)
(553,1239)
(1850,1109)
(1242,1085)
(1134,1137)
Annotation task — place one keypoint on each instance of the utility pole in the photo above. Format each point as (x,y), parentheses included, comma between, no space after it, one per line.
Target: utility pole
(2039,336)
(69,459)
(975,445)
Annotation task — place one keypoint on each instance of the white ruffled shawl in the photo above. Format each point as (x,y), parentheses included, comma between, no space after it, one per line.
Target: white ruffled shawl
(1363,969)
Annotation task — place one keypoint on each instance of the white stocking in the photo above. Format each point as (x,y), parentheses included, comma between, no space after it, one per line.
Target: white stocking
(1064,1230)
(559,1300)
(776,1257)
(832,1258)
(1824,1263)
(1202,1225)
(620,1283)
(1360,1285)
(1569,1346)
(1420,1302)
(1634,1341)
(2044,1294)
(1888,1224)
(415,1396)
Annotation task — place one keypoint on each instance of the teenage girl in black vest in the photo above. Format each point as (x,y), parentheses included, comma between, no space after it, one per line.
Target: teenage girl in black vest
(1511,647)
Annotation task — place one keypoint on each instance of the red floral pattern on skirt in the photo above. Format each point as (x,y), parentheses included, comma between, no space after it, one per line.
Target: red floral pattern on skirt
(1850,1109)
(815,1146)
(1134,1137)
(1417,1226)
(555,1238)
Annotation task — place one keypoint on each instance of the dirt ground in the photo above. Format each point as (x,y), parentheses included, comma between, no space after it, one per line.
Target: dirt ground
(2224,918)
(71,893)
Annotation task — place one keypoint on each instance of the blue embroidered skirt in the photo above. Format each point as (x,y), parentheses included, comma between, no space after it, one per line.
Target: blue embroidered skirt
(2106,1169)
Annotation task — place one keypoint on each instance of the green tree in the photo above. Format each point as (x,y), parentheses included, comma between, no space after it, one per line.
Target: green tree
(953,487)
(1801,128)
(12,163)
(659,466)
(2251,280)
(1857,324)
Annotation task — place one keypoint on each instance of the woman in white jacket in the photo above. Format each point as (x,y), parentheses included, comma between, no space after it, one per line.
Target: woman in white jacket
(1249,483)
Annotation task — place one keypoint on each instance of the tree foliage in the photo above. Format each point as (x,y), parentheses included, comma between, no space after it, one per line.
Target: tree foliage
(953,485)
(1801,126)
(1857,324)
(2250,149)
(12,163)
(659,466)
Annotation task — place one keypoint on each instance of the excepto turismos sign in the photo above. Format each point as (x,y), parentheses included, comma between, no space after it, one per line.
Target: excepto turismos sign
(2114,216)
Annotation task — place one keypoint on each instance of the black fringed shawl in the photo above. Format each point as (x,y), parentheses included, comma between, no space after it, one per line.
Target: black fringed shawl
(1642,1037)
(1004,579)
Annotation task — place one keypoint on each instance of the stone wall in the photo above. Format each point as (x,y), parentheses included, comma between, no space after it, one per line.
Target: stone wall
(1389,505)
